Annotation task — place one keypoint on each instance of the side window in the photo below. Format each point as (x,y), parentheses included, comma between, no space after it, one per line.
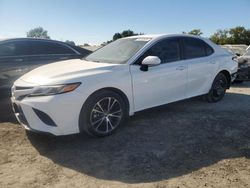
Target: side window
(167,50)
(52,48)
(209,49)
(7,49)
(40,48)
(193,48)
(23,48)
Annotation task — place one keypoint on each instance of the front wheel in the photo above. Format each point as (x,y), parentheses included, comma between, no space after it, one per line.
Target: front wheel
(218,89)
(103,113)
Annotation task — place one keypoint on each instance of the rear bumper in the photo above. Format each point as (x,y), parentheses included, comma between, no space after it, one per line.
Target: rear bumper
(243,74)
(233,76)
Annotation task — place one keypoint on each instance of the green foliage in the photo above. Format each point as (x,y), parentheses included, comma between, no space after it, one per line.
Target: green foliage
(38,32)
(220,37)
(237,35)
(117,36)
(70,42)
(128,33)
(194,32)
(125,33)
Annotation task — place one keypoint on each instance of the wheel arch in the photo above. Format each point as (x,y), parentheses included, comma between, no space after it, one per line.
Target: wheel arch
(228,76)
(116,90)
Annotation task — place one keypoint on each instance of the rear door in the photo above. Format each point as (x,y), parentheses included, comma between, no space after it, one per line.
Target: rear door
(201,65)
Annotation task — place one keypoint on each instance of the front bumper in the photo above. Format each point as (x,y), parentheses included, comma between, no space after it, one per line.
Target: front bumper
(38,113)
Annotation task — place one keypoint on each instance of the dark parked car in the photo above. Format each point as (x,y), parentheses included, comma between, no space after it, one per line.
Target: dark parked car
(20,55)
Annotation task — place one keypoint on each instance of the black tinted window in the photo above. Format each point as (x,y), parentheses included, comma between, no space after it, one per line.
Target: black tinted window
(209,49)
(167,50)
(20,48)
(23,48)
(193,48)
(49,48)
(7,49)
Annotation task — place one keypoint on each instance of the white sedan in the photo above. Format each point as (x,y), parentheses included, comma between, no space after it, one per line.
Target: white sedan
(98,93)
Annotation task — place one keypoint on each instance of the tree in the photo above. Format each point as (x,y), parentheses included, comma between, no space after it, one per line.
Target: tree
(128,33)
(117,36)
(194,32)
(220,37)
(38,32)
(125,33)
(70,42)
(236,35)
(239,35)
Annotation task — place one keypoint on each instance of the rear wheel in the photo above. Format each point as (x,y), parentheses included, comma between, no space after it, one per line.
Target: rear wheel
(218,89)
(238,81)
(103,113)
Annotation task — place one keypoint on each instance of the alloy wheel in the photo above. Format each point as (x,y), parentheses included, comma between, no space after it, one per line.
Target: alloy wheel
(106,115)
(219,88)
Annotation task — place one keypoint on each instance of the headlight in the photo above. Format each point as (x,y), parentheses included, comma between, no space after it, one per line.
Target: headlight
(54,90)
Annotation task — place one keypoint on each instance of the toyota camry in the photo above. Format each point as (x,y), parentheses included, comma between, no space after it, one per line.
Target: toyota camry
(96,94)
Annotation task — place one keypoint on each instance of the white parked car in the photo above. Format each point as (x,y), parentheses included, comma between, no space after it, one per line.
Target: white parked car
(98,93)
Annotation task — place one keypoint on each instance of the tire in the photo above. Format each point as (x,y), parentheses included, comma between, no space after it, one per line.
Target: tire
(102,113)
(238,81)
(218,89)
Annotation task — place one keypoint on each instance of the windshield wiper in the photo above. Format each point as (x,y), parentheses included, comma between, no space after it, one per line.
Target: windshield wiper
(90,60)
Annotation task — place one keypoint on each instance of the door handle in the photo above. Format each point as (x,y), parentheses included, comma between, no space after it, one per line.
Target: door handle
(63,58)
(22,70)
(212,62)
(180,68)
(18,60)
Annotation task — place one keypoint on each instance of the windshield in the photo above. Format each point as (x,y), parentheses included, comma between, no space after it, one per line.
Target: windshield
(118,52)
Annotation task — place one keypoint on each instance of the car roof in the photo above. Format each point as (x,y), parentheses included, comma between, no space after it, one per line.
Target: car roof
(156,36)
(30,39)
(77,49)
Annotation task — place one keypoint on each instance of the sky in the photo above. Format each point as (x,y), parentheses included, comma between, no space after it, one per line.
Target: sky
(95,21)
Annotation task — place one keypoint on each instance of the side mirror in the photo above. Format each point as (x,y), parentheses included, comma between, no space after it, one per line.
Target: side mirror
(150,61)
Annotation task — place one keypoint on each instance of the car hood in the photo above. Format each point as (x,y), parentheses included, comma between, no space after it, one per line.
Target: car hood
(64,70)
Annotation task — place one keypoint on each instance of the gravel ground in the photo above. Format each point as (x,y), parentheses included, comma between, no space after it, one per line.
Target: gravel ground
(185,144)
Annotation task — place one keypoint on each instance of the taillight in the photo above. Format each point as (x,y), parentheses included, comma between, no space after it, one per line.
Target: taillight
(235,59)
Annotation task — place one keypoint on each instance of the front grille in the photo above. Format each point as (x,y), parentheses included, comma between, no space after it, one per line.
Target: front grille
(22,88)
(19,112)
(15,108)
(22,119)
(21,97)
(20,92)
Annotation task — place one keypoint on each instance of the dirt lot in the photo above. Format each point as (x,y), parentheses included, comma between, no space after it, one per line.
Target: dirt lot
(184,144)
